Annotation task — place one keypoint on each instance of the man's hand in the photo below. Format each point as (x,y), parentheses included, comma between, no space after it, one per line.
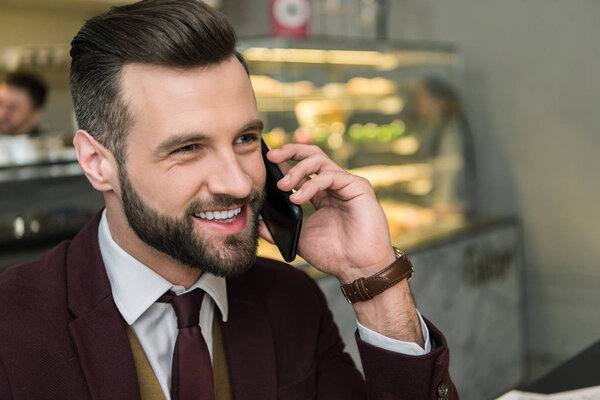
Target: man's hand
(347,236)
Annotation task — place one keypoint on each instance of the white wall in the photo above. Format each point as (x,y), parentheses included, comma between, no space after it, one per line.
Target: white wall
(532,92)
(28,26)
(49,26)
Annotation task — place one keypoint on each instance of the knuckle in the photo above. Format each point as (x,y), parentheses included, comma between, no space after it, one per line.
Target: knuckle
(363,181)
(316,149)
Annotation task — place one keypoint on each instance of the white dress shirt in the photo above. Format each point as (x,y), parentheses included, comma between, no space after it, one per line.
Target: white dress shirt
(135,289)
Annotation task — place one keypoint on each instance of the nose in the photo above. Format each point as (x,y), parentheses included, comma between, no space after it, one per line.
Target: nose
(228,177)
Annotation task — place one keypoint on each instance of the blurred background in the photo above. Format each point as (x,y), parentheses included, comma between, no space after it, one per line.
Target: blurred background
(476,122)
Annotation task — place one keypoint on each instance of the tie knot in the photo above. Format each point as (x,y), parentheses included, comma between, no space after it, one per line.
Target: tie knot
(187,307)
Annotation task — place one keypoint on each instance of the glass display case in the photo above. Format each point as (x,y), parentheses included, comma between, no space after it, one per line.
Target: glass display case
(386,111)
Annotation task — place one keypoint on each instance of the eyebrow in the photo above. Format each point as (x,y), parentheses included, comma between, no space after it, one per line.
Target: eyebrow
(256,125)
(183,138)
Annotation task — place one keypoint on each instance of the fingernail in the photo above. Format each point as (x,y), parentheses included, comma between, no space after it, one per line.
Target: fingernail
(286,178)
(297,193)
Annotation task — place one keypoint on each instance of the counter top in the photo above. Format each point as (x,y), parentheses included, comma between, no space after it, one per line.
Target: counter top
(42,171)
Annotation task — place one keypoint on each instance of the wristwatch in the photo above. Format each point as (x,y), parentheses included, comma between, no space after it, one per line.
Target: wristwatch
(364,289)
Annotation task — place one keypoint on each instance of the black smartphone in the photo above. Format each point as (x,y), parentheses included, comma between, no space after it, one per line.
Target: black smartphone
(282,217)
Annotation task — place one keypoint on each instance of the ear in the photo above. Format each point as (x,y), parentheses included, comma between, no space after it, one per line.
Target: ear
(96,161)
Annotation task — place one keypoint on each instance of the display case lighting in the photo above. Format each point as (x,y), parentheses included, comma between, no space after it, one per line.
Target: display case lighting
(379,60)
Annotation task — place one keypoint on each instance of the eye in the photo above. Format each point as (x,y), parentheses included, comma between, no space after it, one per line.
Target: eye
(247,138)
(186,149)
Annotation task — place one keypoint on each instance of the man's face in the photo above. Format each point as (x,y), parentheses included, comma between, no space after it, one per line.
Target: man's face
(192,184)
(17,113)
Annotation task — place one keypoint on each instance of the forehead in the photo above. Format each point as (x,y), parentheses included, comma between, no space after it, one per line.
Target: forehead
(212,98)
(14,94)
(147,85)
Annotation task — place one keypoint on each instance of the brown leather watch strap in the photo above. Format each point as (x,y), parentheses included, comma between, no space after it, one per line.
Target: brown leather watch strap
(364,289)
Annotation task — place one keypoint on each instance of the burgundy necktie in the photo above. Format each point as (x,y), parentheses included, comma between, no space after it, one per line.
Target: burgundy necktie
(191,376)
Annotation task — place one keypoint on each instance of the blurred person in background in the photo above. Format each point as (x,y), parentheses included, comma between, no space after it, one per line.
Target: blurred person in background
(22,99)
(445,141)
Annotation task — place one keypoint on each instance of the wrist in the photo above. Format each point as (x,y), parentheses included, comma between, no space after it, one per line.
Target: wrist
(392,314)
(350,274)
(367,287)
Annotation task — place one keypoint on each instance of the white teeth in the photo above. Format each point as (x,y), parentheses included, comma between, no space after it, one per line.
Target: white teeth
(219,215)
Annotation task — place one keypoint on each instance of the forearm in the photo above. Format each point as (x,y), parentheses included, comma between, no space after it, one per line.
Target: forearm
(392,314)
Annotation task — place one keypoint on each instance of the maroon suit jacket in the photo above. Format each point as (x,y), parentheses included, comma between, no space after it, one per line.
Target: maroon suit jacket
(62,337)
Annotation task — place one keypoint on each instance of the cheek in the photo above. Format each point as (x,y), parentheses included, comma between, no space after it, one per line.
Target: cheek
(164,191)
(19,115)
(255,168)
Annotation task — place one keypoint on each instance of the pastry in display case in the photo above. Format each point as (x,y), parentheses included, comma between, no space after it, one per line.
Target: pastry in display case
(382,110)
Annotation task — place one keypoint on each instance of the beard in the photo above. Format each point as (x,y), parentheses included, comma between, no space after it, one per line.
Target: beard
(176,237)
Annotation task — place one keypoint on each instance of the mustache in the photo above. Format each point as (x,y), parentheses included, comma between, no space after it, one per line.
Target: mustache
(255,197)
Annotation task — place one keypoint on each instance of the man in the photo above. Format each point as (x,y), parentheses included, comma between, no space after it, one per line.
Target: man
(22,99)
(170,134)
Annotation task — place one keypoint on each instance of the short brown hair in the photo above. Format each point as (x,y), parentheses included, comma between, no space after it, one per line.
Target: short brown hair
(170,33)
(32,84)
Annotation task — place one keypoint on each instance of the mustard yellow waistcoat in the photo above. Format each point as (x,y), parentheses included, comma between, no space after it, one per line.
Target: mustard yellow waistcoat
(149,386)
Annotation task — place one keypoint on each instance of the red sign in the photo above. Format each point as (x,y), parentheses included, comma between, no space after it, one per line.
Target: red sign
(290,17)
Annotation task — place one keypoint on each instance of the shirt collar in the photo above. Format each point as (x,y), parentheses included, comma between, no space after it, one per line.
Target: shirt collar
(135,287)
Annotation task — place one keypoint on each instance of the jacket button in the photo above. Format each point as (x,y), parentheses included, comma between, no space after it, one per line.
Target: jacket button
(442,391)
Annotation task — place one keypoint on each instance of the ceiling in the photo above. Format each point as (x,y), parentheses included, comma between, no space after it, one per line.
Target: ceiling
(65,5)
(73,5)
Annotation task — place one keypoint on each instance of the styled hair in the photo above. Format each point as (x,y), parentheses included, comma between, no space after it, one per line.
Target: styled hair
(169,33)
(32,84)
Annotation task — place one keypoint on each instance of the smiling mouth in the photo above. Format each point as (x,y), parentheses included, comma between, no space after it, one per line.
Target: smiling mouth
(223,216)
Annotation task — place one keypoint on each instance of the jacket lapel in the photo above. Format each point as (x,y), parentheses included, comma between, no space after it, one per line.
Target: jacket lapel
(98,330)
(249,344)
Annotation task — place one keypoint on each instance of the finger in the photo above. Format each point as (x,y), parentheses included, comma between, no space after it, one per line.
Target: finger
(284,183)
(287,183)
(345,186)
(299,152)
(264,233)
(284,167)
(300,173)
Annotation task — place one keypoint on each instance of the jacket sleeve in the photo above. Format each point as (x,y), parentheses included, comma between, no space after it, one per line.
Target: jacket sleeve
(5,393)
(317,367)
(337,376)
(388,375)
(393,376)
